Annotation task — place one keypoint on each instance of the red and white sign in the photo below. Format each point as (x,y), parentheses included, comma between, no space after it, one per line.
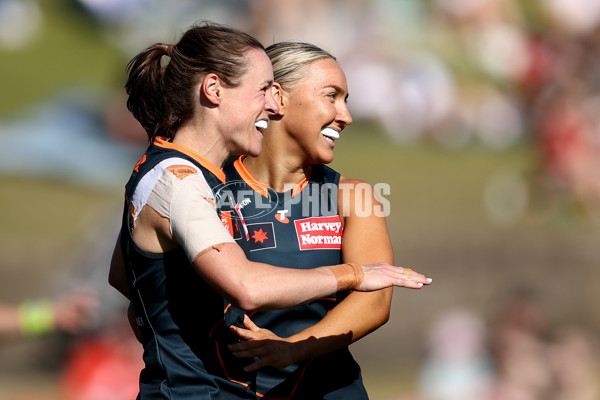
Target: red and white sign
(319,233)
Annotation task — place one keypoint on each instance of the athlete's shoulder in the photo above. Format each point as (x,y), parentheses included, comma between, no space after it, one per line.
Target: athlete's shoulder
(323,173)
(352,182)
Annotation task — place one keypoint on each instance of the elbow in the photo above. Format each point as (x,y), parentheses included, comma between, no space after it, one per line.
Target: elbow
(245,305)
(384,309)
(385,316)
(245,298)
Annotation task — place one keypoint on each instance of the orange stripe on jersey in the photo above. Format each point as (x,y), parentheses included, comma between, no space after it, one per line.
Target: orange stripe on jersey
(264,396)
(249,179)
(300,186)
(140,162)
(162,142)
(225,369)
(328,298)
(257,186)
(220,321)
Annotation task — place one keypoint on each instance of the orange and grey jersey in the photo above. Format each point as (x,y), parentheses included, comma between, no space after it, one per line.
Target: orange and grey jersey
(298,228)
(180,316)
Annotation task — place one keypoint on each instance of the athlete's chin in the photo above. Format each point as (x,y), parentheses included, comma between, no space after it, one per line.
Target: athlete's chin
(326,157)
(254,150)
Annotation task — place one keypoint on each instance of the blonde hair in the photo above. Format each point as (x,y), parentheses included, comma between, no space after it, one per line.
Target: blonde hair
(290,60)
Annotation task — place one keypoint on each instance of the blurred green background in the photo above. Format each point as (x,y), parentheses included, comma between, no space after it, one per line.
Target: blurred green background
(479,219)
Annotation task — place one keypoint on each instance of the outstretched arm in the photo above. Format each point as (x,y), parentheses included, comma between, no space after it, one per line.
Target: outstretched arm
(365,240)
(180,211)
(72,312)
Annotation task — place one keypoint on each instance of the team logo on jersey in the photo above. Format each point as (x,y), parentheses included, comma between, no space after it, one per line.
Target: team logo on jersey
(319,233)
(231,224)
(261,236)
(280,216)
(226,220)
(237,195)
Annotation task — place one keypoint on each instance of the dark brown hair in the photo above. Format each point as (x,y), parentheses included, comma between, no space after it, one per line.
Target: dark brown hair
(161,97)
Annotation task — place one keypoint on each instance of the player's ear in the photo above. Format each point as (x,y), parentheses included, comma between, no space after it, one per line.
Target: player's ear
(280,97)
(211,88)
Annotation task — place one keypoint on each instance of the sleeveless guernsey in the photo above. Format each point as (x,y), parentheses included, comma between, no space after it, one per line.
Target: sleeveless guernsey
(181,317)
(300,228)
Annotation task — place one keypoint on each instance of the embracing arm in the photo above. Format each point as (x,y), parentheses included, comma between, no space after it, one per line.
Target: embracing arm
(180,211)
(256,286)
(365,240)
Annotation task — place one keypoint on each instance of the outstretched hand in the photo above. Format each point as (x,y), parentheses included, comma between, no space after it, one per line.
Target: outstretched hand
(266,347)
(76,311)
(382,275)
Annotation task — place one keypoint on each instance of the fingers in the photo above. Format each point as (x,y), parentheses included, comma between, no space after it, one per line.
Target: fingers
(245,334)
(381,275)
(255,366)
(252,349)
(413,279)
(246,349)
(249,324)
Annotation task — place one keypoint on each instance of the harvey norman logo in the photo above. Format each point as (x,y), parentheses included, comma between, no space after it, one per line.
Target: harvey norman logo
(319,233)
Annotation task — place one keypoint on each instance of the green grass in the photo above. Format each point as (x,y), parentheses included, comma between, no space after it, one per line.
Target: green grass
(437,222)
(444,184)
(69,50)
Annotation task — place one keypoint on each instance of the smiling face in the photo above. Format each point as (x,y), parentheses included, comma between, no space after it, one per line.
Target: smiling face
(248,105)
(314,110)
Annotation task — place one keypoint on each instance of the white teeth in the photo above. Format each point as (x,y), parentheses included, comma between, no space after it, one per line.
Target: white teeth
(262,124)
(331,133)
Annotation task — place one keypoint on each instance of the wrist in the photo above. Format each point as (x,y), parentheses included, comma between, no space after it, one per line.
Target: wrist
(349,276)
(36,317)
(300,347)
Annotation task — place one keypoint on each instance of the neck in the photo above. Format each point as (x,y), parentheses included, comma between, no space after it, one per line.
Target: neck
(204,141)
(277,165)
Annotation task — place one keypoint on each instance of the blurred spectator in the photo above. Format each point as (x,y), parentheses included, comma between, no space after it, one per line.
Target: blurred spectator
(101,136)
(457,366)
(104,366)
(574,362)
(20,23)
(72,313)
(517,358)
(519,343)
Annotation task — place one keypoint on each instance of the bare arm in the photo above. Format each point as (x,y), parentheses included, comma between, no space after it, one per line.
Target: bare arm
(72,312)
(188,219)
(9,320)
(365,240)
(256,286)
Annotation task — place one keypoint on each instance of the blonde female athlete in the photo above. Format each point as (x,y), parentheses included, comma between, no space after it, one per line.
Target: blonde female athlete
(201,100)
(318,218)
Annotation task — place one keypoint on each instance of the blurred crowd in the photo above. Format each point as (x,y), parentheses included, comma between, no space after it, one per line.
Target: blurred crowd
(454,73)
(451,73)
(518,355)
